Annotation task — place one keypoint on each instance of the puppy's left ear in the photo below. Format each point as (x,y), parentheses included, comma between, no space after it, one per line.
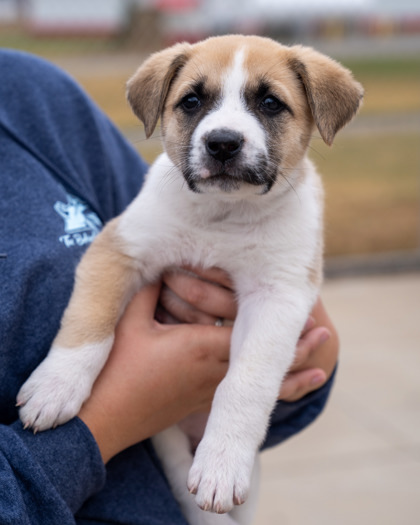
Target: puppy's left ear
(148,87)
(333,95)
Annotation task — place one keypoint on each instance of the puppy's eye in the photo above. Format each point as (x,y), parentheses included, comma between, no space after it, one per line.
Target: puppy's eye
(271,105)
(190,103)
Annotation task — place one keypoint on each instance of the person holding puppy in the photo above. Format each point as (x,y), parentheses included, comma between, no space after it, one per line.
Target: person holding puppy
(64,171)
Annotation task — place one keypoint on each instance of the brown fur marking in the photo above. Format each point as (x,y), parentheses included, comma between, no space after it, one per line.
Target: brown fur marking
(104,279)
(333,95)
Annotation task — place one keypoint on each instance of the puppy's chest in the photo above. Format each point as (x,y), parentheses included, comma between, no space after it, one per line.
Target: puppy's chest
(226,245)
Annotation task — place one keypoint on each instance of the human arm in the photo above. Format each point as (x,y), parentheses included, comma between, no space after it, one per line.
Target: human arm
(156,375)
(45,478)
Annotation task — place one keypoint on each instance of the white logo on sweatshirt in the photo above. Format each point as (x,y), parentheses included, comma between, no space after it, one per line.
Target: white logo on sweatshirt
(81,225)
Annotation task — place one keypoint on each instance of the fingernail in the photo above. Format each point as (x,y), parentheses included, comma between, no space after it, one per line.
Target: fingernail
(324,337)
(317,380)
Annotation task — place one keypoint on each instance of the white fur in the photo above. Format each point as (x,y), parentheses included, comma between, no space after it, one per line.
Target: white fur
(56,390)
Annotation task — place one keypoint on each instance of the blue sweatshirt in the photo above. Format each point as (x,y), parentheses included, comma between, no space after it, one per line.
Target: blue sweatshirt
(64,171)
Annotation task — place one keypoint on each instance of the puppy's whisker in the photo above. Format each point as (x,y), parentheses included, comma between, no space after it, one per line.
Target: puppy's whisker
(317,152)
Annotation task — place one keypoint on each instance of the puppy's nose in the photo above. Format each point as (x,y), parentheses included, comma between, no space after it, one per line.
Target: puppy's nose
(224,144)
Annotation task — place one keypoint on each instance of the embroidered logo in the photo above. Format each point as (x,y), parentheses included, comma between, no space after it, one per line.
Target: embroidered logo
(81,226)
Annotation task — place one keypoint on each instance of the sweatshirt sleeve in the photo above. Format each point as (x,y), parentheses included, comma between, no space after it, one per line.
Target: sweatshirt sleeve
(45,478)
(64,168)
(289,418)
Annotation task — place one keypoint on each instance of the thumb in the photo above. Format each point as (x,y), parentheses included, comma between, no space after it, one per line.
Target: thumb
(141,309)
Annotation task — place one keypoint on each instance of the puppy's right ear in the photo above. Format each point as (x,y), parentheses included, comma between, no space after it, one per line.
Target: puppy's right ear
(148,87)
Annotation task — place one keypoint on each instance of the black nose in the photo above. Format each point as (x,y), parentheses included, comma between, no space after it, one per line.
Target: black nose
(224,144)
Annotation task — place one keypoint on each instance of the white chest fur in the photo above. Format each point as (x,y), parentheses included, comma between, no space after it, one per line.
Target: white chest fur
(256,239)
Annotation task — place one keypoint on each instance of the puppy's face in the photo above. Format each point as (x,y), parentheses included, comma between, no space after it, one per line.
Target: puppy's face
(235,118)
(238,112)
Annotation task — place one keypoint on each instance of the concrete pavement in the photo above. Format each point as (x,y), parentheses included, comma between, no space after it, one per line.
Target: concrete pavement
(359,463)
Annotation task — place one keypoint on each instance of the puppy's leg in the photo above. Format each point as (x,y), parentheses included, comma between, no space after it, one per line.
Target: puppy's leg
(173,449)
(105,281)
(263,343)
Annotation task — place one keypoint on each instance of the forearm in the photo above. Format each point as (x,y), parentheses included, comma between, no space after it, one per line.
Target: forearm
(49,475)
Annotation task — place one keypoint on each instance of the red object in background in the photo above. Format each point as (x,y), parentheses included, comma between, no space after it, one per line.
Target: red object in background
(177,5)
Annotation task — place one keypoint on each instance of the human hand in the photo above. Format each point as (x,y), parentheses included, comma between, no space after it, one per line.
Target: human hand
(194,295)
(203,296)
(155,376)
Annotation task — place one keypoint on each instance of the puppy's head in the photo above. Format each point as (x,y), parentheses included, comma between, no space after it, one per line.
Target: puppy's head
(238,112)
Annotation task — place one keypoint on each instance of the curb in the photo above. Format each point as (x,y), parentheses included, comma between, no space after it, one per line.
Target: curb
(366,265)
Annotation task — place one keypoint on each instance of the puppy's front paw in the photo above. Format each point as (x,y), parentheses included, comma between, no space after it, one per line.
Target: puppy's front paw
(220,475)
(56,390)
(52,395)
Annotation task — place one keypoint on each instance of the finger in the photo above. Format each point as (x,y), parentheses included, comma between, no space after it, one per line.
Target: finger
(307,344)
(297,384)
(210,342)
(141,309)
(212,275)
(179,310)
(310,323)
(209,298)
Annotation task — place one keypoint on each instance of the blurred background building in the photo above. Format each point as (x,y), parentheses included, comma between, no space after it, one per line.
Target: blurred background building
(288,20)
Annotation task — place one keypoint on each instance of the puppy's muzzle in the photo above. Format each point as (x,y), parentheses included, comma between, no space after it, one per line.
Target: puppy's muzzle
(224,144)
(225,160)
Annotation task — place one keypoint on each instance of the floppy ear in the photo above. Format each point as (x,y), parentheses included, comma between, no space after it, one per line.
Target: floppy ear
(148,87)
(333,95)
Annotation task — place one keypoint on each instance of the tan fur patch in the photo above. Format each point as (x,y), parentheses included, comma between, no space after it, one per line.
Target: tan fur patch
(148,87)
(103,278)
(333,95)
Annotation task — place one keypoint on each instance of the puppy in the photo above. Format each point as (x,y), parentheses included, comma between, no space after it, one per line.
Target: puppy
(234,189)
